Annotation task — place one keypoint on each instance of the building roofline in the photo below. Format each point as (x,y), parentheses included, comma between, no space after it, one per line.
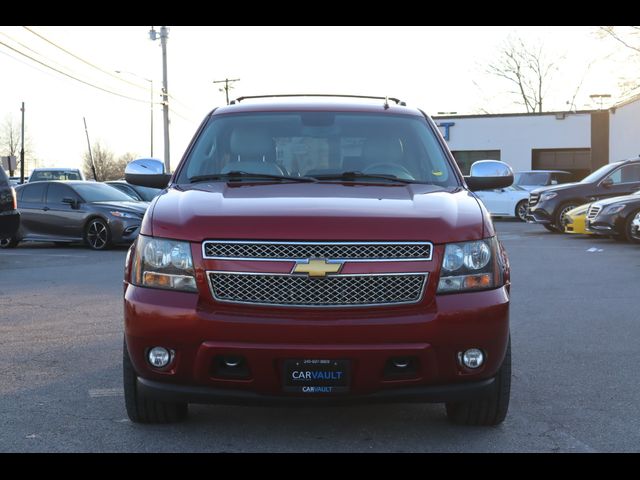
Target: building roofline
(627,101)
(524,114)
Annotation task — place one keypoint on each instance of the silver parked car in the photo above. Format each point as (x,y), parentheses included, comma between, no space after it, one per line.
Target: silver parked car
(74,211)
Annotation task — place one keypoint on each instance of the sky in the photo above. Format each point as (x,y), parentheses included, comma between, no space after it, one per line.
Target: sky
(439,69)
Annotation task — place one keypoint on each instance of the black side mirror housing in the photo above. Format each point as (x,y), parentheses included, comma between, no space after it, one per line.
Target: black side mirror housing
(489,175)
(71,201)
(147,172)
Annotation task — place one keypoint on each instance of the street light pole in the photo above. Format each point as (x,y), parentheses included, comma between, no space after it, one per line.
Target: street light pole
(164,35)
(150,101)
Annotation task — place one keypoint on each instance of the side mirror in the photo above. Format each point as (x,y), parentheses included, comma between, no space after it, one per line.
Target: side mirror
(147,172)
(489,175)
(71,201)
(607,182)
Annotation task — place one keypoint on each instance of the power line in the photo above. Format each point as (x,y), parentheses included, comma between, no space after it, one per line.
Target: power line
(87,62)
(71,76)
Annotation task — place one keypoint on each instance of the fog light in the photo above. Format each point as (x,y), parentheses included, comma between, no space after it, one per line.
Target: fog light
(159,357)
(473,358)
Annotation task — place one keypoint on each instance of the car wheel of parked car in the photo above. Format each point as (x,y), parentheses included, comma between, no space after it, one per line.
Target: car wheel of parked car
(97,234)
(490,410)
(145,410)
(632,229)
(559,219)
(10,242)
(521,210)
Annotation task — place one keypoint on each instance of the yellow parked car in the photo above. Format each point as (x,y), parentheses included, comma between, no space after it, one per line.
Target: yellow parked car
(575,219)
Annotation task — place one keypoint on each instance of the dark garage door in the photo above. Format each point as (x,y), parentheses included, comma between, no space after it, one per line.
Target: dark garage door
(574,160)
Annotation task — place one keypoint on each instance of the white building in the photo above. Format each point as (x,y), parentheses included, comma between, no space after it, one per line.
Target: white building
(579,142)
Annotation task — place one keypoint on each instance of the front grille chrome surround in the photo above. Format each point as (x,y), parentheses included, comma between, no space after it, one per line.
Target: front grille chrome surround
(593,212)
(341,251)
(534,198)
(285,290)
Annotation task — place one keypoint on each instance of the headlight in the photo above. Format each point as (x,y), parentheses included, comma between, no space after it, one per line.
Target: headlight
(161,263)
(470,266)
(614,209)
(548,196)
(119,214)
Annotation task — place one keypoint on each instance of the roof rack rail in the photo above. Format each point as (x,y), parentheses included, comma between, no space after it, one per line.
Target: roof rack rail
(240,99)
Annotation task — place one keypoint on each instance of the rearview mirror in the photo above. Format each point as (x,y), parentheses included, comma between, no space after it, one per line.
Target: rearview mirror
(147,172)
(489,175)
(607,182)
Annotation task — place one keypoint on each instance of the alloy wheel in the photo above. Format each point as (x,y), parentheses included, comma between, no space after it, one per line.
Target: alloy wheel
(97,235)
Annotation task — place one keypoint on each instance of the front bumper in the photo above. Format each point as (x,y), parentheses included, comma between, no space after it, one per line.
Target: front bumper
(607,224)
(125,230)
(432,334)
(167,392)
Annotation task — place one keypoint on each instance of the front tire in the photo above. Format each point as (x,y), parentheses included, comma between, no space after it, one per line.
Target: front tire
(145,410)
(490,410)
(559,219)
(551,228)
(10,242)
(97,234)
(631,232)
(521,210)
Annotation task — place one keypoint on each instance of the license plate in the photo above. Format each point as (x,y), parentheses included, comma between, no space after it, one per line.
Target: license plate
(316,376)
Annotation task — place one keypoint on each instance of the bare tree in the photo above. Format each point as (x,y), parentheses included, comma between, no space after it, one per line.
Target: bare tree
(629,37)
(107,166)
(528,69)
(10,141)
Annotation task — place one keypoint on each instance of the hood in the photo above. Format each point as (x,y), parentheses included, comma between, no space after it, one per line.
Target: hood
(136,207)
(635,199)
(315,211)
(555,188)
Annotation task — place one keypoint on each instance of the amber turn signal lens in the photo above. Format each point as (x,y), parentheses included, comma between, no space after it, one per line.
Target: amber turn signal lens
(478,281)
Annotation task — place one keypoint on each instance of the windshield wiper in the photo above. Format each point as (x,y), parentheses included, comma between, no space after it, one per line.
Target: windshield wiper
(238,175)
(355,176)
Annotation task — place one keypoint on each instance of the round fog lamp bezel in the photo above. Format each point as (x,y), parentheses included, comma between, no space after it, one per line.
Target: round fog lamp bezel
(466,361)
(168,353)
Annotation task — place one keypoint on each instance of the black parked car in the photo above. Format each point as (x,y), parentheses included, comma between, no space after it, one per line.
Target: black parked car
(9,215)
(73,211)
(548,205)
(618,216)
(143,194)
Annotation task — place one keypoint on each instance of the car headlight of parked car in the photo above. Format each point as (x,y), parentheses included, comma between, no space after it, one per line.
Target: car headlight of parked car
(162,263)
(614,209)
(468,266)
(119,214)
(548,196)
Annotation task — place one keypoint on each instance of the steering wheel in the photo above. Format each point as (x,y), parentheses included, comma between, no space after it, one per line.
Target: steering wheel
(389,169)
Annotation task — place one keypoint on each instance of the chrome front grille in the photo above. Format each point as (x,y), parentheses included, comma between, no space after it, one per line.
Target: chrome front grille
(330,291)
(534,198)
(593,212)
(352,251)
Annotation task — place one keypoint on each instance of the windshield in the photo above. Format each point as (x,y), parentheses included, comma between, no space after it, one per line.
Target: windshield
(317,145)
(531,178)
(598,174)
(55,175)
(99,192)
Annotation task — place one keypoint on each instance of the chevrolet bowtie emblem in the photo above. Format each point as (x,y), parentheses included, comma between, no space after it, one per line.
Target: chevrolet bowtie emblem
(317,267)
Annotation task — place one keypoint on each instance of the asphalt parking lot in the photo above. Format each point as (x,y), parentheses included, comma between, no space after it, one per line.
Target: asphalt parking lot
(574,327)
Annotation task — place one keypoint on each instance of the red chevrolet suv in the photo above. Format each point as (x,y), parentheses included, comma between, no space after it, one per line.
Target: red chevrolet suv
(313,251)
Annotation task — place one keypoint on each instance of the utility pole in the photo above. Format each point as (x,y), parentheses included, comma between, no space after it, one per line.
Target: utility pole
(226,85)
(93,167)
(164,35)
(22,146)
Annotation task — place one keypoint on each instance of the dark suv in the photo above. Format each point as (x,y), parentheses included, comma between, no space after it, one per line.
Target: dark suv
(548,205)
(317,251)
(9,215)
